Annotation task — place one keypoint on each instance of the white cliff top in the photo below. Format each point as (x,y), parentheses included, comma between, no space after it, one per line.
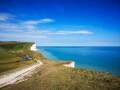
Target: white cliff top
(33,47)
(71,64)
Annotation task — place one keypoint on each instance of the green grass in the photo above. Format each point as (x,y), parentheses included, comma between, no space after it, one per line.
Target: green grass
(6,68)
(15,45)
(4,54)
(8,61)
(8,57)
(53,76)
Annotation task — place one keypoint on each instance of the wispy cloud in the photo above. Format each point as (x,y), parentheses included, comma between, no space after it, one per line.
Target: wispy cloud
(72,32)
(46,20)
(5,16)
(28,29)
(63,32)
(21,35)
(33,22)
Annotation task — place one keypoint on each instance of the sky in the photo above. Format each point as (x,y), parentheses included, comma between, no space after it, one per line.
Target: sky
(61,22)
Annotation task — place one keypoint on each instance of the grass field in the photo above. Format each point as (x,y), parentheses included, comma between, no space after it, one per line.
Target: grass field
(53,76)
(8,55)
(15,45)
(9,61)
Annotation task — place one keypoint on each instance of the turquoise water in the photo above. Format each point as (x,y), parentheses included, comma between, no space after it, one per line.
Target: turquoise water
(106,59)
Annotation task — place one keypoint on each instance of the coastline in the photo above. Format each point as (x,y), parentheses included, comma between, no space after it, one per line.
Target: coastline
(104,65)
(18,76)
(54,75)
(50,56)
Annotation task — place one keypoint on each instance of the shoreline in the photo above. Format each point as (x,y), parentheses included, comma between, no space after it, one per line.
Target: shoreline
(62,73)
(50,56)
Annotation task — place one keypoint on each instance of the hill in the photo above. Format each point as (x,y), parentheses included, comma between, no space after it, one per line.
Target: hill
(14,45)
(10,55)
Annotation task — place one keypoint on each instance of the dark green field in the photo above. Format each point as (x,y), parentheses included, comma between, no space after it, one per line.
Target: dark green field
(13,45)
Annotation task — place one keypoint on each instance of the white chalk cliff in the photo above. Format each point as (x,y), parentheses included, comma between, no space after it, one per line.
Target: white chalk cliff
(33,47)
(71,64)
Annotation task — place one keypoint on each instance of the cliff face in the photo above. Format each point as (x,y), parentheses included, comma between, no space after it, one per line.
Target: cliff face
(33,47)
(71,64)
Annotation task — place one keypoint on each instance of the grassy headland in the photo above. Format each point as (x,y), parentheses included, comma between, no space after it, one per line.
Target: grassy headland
(9,55)
(14,45)
(54,76)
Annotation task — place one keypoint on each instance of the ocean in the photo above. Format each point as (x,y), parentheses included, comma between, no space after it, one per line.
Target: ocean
(105,59)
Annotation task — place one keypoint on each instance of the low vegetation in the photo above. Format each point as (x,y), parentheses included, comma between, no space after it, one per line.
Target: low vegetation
(9,55)
(13,45)
(54,76)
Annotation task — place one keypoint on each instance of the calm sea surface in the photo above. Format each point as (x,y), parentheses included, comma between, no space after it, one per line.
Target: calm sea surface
(106,59)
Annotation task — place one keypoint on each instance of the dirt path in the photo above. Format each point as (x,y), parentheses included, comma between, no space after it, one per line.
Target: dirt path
(13,77)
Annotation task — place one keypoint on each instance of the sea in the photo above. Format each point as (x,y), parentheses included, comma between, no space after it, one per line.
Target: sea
(98,58)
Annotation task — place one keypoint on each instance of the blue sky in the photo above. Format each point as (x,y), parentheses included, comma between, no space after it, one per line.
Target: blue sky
(61,22)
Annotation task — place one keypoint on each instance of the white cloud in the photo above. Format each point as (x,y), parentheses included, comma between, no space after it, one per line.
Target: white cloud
(30,22)
(5,16)
(74,32)
(48,32)
(28,29)
(46,20)
(84,32)
(63,32)
(21,35)
(33,22)
(8,26)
